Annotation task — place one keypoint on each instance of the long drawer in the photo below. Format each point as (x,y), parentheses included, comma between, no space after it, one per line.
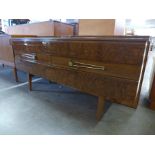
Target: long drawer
(116,70)
(101,51)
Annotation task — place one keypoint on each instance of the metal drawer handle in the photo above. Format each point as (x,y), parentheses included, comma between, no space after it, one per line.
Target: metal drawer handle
(29,56)
(25,43)
(77,64)
(44,43)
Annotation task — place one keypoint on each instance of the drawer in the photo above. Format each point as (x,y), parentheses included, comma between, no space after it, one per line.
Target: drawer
(115,70)
(104,52)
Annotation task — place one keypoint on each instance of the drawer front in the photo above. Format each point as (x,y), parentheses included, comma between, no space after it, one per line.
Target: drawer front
(129,53)
(112,88)
(116,70)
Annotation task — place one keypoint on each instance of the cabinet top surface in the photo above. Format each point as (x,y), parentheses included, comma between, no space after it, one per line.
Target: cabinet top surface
(84,38)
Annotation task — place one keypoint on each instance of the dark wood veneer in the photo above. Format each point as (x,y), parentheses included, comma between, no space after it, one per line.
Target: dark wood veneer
(110,67)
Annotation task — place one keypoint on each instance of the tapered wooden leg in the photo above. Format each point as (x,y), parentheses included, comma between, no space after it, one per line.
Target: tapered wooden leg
(30,81)
(15,74)
(100,108)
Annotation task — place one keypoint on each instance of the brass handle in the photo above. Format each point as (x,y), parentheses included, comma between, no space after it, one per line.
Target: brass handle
(31,56)
(77,64)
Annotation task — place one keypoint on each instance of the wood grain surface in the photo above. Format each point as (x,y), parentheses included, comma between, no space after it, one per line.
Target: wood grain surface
(111,68)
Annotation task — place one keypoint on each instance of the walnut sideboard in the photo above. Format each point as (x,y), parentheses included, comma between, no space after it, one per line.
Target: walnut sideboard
(110,67)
